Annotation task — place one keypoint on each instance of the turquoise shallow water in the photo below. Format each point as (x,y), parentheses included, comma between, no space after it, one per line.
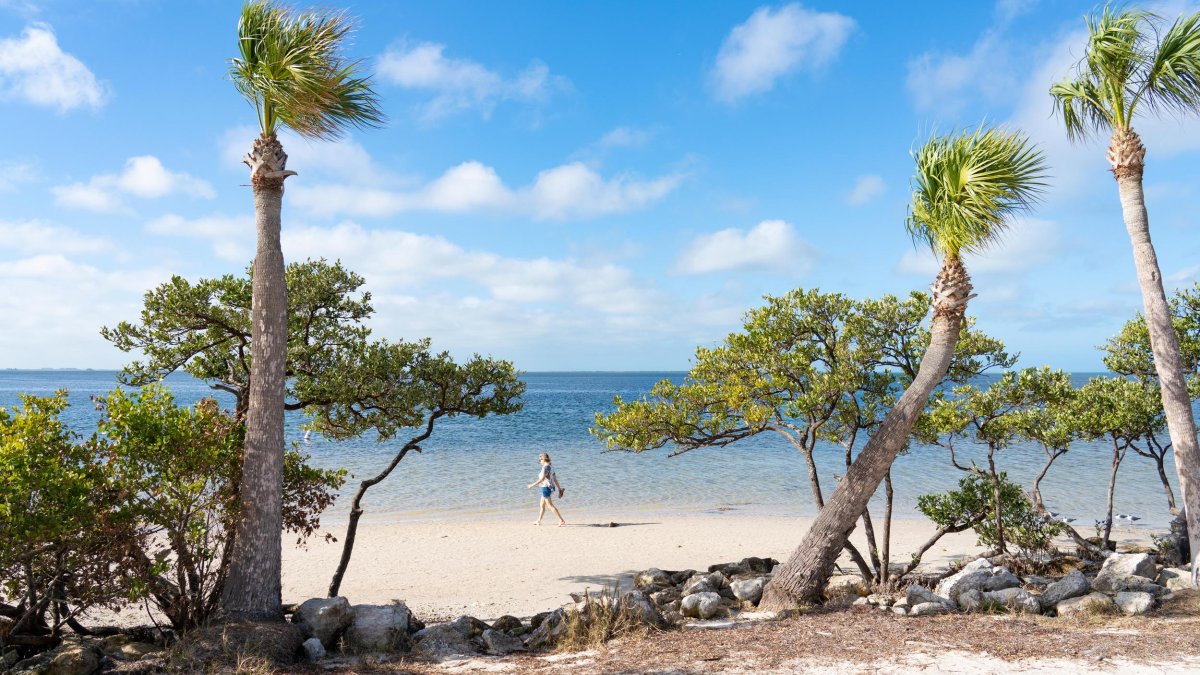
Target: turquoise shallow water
(479,468)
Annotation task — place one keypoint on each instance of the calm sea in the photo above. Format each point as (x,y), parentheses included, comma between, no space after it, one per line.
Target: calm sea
(479,468)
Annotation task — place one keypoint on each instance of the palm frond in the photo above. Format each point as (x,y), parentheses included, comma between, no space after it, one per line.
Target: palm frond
(1079,102)
(968,186)
(1173,80)
(292,69)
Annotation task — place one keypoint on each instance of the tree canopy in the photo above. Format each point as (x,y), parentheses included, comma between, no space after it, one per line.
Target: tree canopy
(345,381)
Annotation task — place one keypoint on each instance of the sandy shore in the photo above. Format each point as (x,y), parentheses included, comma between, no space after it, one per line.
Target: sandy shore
(495,567)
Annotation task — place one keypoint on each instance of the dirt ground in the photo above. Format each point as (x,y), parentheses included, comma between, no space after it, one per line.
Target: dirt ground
(865,640)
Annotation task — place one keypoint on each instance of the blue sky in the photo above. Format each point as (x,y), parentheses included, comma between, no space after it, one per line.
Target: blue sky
(574,186)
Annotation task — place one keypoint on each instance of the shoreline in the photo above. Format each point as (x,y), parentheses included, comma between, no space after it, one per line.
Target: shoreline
(490,567)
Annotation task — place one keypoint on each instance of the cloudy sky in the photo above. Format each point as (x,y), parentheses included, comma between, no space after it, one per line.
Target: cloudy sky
(573,186)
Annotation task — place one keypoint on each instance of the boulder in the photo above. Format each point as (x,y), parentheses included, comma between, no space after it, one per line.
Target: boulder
(651,577)
(74,660)
(442,640)
(324,618)
(666,597)
(672,617)
(1092,602)
(637,605)
(970,601)
(880,599)
(1134,602)
(498,643)
(133,651)
(1114,584)
(469,626)
(699,584)
(748,590)
(1014,599)
(928,609)
(681,577)
(549,628)
(536,620)
(844,584)
(902,610)
(313,649)
(1130,565)
(861,602)
(701,605)
(379,628)
(507,623)
(1175,579)
(917,595)
(979,575)
(1073,585)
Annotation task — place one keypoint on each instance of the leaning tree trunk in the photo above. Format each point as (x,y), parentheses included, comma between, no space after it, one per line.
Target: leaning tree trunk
(803,576)
(1127,156)
(253,587)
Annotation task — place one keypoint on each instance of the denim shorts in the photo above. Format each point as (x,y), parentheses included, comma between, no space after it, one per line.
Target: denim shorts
(546,492)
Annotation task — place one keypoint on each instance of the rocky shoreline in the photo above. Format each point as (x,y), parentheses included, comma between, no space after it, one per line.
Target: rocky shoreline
(332,632)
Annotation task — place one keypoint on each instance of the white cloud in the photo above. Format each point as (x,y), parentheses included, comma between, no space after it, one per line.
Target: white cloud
(232,237)
(866,189)
(774,43)
(772,244)
(625,137)
(33,237)
(1028,243)
(945,83)
(13,174)
(460,84)
(34,69)
(143,177)
(564,192)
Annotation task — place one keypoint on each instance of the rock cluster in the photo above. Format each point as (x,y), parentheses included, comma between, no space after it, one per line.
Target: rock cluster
(679,595)
(1131,583)
(83,655)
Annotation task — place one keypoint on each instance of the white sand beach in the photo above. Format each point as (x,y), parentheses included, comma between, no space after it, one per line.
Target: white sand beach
(495,567)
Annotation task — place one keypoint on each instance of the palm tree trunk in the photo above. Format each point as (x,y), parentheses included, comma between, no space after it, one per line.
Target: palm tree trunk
(1127,157)
(802,578)
(253,588)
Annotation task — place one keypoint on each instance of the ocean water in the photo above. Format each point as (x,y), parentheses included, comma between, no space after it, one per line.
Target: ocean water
(479,468)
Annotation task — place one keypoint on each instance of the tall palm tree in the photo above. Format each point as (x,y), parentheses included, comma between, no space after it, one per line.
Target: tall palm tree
(1133,65)
(967,188)
(291,68)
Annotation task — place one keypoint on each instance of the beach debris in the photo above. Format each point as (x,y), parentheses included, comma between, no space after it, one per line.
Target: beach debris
(1092,602)
(1134,602)
(379,628)
(1073,585)
(324,618)
(703,605)
(313,649)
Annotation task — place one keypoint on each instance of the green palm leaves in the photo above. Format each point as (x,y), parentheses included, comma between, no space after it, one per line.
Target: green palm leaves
(1124,68)
(969,185)
(292,70)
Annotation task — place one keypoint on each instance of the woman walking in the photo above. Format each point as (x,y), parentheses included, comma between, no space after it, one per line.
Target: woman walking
(547,482)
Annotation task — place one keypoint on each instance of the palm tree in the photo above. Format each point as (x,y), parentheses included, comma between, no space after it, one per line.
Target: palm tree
(1132,65)
(967,188)
(291,68)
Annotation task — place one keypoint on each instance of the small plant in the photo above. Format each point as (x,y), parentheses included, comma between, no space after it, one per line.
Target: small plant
(971,506)
(602,618)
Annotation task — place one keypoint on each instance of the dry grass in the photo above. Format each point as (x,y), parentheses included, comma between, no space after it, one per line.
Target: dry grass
(601,619)
(244,648)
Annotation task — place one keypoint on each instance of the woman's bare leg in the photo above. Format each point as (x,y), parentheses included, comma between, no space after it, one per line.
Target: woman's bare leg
(542,512)
(554,509)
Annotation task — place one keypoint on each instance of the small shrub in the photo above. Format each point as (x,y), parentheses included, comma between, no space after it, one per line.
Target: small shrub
(601,619)
(971,506)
